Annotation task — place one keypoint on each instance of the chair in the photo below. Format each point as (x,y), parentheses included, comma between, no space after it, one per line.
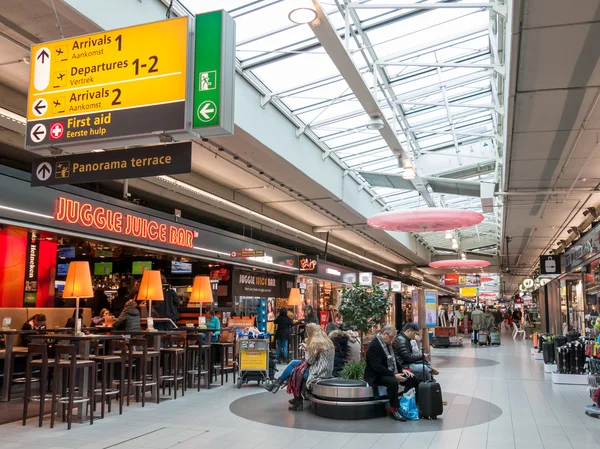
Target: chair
(517,332)
(114,354)
(198,360)
(43,364)
(226,363)
(140,353)
(66,368)
(173,358)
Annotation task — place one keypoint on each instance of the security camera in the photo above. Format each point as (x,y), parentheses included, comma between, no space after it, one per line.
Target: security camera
(507,270)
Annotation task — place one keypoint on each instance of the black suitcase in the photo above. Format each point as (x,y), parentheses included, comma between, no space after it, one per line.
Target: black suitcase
(579,366)
(562,360)
(430,399)
(548,350)
(440,342)
(573,336)
(559,340)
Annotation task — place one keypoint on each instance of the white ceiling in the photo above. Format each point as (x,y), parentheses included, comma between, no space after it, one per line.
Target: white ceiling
(555,127)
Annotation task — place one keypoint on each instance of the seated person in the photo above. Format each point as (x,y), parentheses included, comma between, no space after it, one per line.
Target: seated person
(35,323)
(340,340)
(71,321)
(384,370)
(319,357)
(212,322)
(101,319)
(403,349)
(129,320)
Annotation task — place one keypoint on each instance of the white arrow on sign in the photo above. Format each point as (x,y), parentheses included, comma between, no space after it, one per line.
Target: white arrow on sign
(39,107)
(207,111)
(38,133)
(44,171)
(41,73)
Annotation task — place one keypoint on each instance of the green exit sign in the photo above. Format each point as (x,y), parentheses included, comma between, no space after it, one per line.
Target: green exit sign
(214,75)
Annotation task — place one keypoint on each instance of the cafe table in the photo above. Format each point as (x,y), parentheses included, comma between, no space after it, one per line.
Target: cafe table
(83,343)
(155,335)
(10,338)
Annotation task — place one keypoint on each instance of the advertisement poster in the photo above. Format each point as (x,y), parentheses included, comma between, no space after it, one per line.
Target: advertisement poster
(430,308)
(324,318)
(415,306)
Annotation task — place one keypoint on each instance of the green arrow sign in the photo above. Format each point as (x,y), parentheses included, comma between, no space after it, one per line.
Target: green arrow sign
(214,74)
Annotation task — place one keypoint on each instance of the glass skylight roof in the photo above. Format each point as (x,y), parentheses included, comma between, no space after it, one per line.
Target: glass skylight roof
(439,65)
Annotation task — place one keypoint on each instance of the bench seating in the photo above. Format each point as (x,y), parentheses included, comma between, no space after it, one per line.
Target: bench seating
(348,399)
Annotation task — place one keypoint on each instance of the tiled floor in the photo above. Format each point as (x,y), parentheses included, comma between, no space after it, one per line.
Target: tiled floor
(536,414)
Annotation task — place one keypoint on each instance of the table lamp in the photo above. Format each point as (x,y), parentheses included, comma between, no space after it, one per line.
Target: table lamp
(151,290)
(78,285)
(294,299)
(201,291)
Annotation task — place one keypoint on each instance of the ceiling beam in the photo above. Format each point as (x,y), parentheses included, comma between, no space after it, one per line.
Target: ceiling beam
(331,42)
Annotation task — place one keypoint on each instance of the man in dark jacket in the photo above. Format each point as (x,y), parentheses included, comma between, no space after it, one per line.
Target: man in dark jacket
(384,370)
(98,302)
(129,320)
(118,303)
(402,347)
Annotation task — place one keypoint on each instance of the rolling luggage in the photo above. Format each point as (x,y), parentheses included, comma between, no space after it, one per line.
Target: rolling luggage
(578,366)
(573,336)
(495,338)
(440,342)
(484,338)
(430,398)
(559,341)
(548,350)
(562,359)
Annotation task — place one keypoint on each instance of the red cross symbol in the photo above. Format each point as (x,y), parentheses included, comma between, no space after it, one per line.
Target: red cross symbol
(57,130)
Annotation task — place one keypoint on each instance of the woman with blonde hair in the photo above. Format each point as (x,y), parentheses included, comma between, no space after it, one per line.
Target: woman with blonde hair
(317,365)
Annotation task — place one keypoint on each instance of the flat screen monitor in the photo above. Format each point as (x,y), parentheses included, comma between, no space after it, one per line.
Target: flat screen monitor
(140,267)
(181,267)
(103,268)
(66,252)
(62,269)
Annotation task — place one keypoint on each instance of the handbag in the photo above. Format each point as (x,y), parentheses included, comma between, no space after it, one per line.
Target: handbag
(226,336)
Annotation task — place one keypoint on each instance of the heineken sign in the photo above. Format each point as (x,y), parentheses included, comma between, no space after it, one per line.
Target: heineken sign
(214,75)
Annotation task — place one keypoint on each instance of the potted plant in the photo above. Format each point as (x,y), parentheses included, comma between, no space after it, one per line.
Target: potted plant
(364,307)
(354,370)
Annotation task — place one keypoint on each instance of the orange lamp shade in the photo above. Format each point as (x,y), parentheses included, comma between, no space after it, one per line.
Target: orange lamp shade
(295,299)
(151,287)
(79,281)
(201,291)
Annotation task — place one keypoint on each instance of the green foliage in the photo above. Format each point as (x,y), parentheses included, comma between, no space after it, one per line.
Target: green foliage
(364,307)
(354,370)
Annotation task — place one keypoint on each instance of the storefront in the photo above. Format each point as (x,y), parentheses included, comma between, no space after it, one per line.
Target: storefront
(571,301)
(320,284)
(43,229)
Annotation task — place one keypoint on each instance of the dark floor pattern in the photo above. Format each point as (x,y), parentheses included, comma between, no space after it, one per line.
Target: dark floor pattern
(450,361)
(267,408)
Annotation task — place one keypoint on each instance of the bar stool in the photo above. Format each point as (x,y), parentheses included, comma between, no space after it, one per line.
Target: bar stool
(17,353)
(173,358)
(225,366)
(43,364)
(198,360)
(66,367)
(140,353)
(114,354)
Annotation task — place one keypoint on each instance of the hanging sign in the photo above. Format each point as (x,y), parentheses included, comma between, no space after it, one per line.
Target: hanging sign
(109,86)
(247,253)
(468,292)
(31,269)
(365,279)
(108,165)
(214,74)
(549,264)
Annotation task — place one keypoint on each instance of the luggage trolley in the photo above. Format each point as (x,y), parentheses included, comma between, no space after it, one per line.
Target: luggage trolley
(253,358)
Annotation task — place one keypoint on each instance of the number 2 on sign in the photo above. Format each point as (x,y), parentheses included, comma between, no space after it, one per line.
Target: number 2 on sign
(153,62)
(116,100)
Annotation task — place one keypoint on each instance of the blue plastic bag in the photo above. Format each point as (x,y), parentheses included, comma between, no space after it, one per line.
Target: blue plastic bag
(408,405)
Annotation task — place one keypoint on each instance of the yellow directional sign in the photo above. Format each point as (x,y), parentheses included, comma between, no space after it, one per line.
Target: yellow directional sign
(130,81)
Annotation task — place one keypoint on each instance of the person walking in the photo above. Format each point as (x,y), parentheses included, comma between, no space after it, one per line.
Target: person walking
(283,325)
(477,317)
